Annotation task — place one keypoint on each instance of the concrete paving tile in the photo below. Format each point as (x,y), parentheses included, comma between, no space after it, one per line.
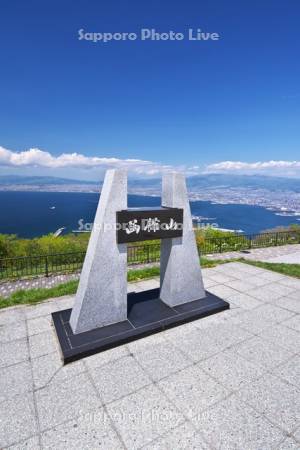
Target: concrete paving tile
(293,322)
(11,315)
(237,274)
(263,353)
(210,272)
(290,282)
(231,370)
(195,344)
(244,301)
(295,295)
(283,290)
(289,371)
(103,358)
(233,425)
(13,352)
(274,314)
(252,270)
(222,291)
(184,437)
(289,444)
(272,276)
(290,303)
(133,287)
(216,319)
(283,336)
(208,282)
(296,434)
(119,378)
(141,345)
(17,419)
(30,444)
(147,284)
(40,309)
(49,368)
(65,302)
(257,280)
(242,267)
(89,431)
(206,272)
(276,399)
(143,416)
(14,380)
(42,344)
(222,278)
(13,331)
(260,318)
(63,401)
(161,360)
(192,390)
(265,293)
(242,286)
(39,325)
(225,335)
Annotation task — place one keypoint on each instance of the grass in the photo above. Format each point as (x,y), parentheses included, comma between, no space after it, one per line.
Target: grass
(293,270)
(142,274)
(32,296)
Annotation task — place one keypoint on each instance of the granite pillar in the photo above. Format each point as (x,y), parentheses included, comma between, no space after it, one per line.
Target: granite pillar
(101,297)
(180,271)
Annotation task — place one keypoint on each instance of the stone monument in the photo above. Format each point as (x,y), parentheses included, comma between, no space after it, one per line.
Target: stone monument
(104,315)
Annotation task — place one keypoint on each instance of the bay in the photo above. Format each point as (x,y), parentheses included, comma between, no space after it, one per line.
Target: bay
(31,214)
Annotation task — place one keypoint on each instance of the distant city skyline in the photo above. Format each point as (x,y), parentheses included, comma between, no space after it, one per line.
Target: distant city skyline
(73,107)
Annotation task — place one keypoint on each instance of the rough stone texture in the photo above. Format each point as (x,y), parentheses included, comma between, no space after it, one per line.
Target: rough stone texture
(101,298)
(143,416)
(18,420)
(192,390)
(184,437)
(61,401)
(233,425)
(13,352)
(119,378)
(90,431)
(276,399)
(212,383)
(14,380)
(181,279)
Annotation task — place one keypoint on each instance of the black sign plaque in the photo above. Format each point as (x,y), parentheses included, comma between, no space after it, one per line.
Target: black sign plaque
(148,223)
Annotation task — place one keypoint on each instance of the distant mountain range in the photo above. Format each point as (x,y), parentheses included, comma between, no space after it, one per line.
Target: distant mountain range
(244,181)
(19,179)
(195,183)
(217,181)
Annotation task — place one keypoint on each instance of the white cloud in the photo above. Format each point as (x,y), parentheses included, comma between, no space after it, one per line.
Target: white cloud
(287,168)
(35,157)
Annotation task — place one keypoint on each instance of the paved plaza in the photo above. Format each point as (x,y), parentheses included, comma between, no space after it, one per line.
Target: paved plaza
(228,381)
(282,254)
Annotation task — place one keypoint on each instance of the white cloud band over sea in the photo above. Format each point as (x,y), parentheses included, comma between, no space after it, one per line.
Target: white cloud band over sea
(35,158)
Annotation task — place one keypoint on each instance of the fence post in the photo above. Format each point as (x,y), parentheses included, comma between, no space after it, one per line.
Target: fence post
(276,239)
(148,253)
(220,245)
(46,267)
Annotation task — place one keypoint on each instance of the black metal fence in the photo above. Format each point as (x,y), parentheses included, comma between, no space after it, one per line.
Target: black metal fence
(45,265)
(247,242)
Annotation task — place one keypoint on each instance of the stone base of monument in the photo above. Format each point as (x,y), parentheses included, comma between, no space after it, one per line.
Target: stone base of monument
(147,314)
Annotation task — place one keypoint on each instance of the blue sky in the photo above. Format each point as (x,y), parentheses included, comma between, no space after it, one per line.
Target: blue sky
(174,103)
